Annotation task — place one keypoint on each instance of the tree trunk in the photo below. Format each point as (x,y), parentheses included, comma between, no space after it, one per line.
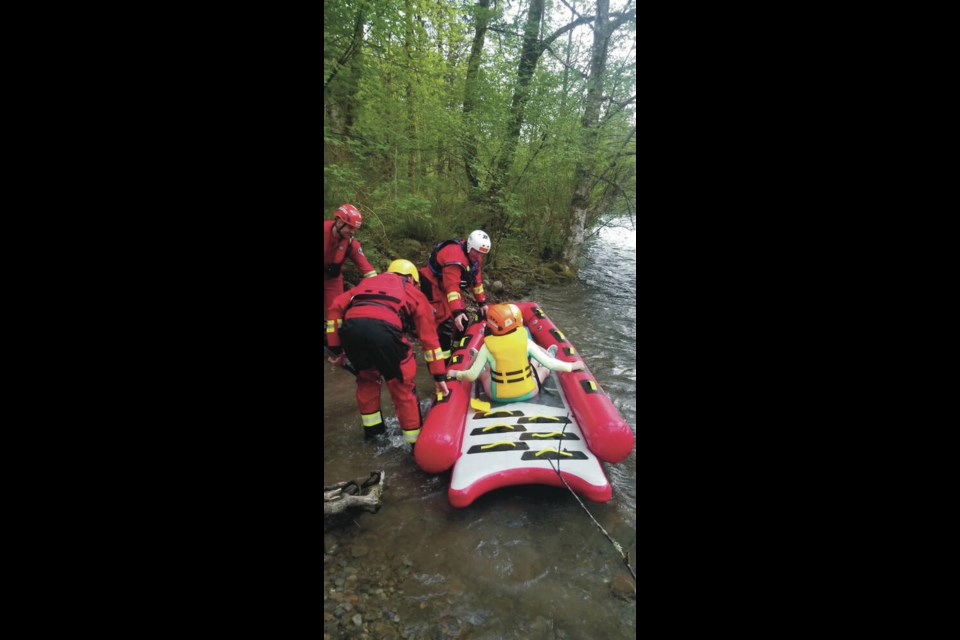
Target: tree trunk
(583,183)
(482,17)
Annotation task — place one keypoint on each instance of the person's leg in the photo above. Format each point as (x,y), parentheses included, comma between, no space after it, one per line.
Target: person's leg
(368,401)
(485,382)
(403,391)
(445,333)
(539,370)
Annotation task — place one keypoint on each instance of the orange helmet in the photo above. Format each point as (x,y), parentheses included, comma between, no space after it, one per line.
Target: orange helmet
(349,214)
(504,318)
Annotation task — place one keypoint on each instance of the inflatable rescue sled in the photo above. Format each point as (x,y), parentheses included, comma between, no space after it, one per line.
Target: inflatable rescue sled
(567,429)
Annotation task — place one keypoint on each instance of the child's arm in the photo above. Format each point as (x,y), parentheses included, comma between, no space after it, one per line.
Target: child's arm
(553,364)
(474,371)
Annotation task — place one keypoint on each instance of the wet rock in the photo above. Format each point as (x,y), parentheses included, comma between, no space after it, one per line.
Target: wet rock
(407,562)
(357,619)
(623,588)
(540,627)
(456,586)
(496,286)
(518,284)
(450,627)
(329,543)
(383,631)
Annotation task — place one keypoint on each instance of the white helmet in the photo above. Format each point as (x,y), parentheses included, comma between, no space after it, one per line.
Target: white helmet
(478,240)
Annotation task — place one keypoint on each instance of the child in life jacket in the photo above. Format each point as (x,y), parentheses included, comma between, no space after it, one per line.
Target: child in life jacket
(503,363)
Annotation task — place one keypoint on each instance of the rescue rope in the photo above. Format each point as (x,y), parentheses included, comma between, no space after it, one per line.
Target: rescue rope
(616,545)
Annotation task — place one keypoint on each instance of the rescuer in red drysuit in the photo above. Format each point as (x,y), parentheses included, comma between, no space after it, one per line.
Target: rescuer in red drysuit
(370,321)
(338,245)
(454,265)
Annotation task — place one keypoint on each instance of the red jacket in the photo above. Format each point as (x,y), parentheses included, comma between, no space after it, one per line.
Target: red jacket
(455,274)
(337,250)
(391,298)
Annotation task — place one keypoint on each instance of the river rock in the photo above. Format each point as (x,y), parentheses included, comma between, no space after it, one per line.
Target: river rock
(450,627)
(358,550)
(383,631)
(496,286)
(623,588)
(329,543)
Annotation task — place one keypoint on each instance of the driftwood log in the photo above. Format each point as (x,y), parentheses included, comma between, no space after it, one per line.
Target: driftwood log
(364,493)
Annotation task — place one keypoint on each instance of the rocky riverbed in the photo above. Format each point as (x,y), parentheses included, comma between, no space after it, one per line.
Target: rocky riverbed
(371,592)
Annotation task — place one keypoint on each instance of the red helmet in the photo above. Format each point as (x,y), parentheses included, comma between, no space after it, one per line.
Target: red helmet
(349,214)
(504,318)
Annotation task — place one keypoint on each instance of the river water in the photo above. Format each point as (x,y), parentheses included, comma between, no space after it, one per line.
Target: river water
(520,562)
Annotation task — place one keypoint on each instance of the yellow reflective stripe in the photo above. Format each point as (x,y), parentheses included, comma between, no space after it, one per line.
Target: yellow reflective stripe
(453,295)
(369,274)
(438,353)
(494,426)
(497,444)
(428,356)
(371,419)
(339,322)
(558,452)
(478,290)
(545,435)
(411,436)
(330,328)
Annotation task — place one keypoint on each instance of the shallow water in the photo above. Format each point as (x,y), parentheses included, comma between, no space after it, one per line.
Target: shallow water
(520,562)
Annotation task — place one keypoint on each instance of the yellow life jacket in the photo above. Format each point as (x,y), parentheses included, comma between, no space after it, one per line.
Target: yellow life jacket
(511,369)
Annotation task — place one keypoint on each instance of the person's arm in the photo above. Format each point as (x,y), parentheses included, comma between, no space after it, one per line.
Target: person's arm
(541,356)
(423,315)
(471,374)
(359,259)
(334,322)
(478,294)
(451,287)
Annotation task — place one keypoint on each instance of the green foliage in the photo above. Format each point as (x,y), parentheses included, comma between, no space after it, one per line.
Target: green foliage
(396,135)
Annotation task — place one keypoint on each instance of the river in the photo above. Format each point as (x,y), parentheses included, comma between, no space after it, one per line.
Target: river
(520,562)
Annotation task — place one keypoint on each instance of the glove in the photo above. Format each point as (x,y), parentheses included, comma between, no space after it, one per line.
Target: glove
(460,321)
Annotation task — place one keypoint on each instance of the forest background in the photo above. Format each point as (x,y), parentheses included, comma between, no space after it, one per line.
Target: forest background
(517,117)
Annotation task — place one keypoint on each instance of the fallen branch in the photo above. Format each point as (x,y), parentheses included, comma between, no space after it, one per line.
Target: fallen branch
(344,495)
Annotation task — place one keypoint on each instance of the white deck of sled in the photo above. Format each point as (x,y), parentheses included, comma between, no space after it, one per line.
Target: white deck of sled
(551,401)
